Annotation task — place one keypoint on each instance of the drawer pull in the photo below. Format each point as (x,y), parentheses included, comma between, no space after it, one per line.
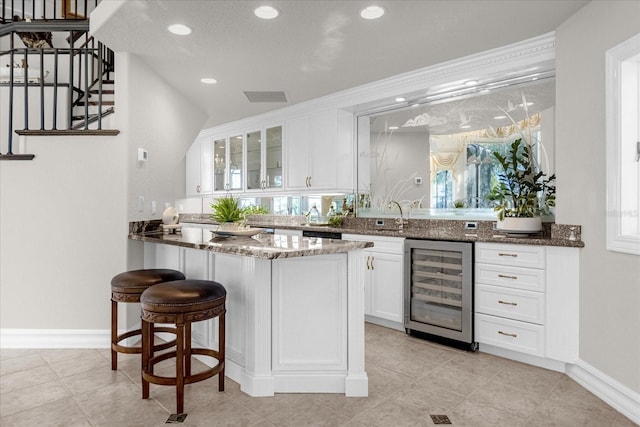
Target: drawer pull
(504,276)
(507,334)
(507,303)
(505,254)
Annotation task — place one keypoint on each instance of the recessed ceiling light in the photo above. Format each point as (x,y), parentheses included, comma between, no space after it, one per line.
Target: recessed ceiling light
(465,126)
(372,12)
(179,29)
(266,12)
(499,117)
(400,99)
(208,80)
(471,83)
(393,127)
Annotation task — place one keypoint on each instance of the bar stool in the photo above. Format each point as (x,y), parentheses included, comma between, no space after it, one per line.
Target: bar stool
(182,302)
(127,287)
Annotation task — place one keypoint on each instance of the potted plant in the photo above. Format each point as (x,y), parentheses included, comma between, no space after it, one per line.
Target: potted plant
(522,192)
(228,213)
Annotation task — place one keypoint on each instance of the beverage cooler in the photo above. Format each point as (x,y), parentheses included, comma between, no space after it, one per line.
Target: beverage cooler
(439,290)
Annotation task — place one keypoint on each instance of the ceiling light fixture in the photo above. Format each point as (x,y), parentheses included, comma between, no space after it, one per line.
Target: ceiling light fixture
(372,12)
(471,83)
(179,29)
(208,80)
(400,99)
(266,12)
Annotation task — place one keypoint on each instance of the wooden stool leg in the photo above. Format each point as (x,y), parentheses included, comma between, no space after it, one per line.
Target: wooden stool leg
(180,366)
(114,334)
(187,349)
(147,348)
(221,346)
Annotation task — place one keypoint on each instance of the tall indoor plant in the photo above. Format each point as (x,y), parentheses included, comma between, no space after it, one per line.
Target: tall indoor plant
(522,192)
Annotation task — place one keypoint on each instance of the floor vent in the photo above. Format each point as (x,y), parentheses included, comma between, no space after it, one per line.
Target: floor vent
(176,418)
(440,419)
(266,96)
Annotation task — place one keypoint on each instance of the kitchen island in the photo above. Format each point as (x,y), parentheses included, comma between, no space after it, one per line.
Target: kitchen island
(295,311)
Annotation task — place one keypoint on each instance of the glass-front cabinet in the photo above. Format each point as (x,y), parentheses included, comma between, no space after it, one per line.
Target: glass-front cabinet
(254,161)
(273,159)
(219,164)
(236,164)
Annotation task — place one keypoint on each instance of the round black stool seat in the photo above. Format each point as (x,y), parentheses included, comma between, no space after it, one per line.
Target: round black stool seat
(126,288)
(182,302)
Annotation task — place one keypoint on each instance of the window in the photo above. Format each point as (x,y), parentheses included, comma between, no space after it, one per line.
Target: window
(623,146)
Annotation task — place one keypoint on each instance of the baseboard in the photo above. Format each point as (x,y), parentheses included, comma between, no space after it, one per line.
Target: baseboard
(55,338)
(617,395)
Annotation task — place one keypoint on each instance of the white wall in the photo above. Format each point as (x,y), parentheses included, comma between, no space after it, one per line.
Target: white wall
(163,122)
(609,281)
(64,216)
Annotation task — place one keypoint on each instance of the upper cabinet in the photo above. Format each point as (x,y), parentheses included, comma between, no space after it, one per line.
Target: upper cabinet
(320,152)
(264,159)
(200,159)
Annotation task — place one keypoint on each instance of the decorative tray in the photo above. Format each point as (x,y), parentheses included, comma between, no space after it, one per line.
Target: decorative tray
(239,232)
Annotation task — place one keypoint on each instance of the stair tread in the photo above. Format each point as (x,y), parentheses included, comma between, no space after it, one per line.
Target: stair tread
(82,103)
(104,91)
(70,132)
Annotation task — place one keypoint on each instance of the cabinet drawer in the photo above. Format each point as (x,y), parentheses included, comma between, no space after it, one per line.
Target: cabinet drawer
(530,279)
(393,245)
(510,334)
(510,303)
(510,255)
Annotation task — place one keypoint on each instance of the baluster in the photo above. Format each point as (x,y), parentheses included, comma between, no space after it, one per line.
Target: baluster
(42,89)
(100,66)
(70,91)
(86,85)
(55,89)
(25,73)
(23,10)
(11,56)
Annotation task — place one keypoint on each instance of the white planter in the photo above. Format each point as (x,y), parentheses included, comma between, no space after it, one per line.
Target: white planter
(520,225)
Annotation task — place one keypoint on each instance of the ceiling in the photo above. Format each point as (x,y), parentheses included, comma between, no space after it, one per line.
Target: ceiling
(314,48)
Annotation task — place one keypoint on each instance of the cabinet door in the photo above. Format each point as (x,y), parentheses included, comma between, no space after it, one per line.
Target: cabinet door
(254,160)
(236,163)
(273,157)
(297,150)
(219,164)
(206,167)
(386,288)
(193,170)
(323,142)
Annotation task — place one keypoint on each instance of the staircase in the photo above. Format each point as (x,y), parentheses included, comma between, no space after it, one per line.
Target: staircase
(61,81)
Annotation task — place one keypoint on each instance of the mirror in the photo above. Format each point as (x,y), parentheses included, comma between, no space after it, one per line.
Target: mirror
(435,158)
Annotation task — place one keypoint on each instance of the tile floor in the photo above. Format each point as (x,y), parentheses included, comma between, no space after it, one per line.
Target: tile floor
(409,379)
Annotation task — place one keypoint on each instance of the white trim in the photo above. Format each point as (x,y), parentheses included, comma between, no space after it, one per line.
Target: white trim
(55,338)
(619,396)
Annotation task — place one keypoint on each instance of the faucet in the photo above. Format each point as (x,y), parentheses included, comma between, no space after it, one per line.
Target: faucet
(401,221)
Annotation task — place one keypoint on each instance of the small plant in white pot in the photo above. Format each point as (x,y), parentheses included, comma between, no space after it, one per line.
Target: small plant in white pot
(522,193)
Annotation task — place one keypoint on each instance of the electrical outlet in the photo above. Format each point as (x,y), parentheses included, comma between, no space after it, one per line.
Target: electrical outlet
(153,207)
(379,223)
(140,203)
(470,225)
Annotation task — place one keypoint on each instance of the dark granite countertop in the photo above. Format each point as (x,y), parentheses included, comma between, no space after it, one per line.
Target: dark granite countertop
(428,229)
(261,245)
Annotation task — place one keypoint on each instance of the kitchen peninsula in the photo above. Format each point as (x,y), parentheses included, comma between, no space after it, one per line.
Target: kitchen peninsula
(295,312)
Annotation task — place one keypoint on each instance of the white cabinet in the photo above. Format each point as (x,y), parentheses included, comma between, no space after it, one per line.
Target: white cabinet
(199,179)
(383,279)
(320,151)
(264,159)
(526,299)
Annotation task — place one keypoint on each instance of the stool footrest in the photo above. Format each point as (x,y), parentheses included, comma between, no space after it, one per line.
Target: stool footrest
(116,346)
(188,379)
